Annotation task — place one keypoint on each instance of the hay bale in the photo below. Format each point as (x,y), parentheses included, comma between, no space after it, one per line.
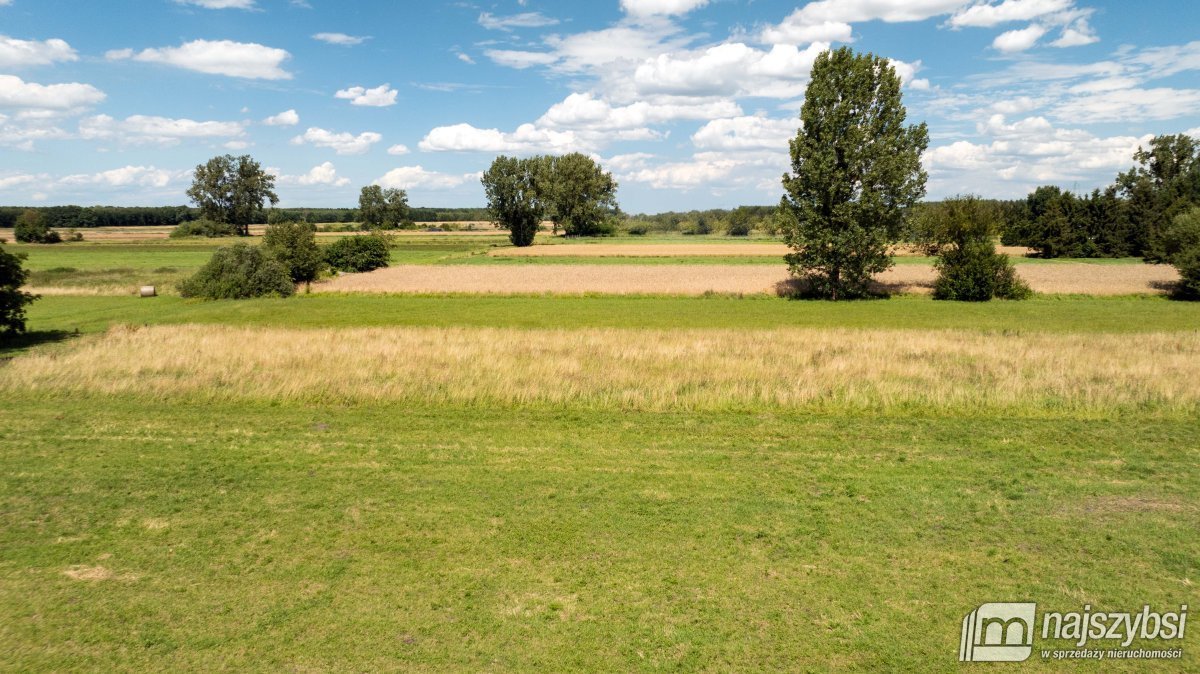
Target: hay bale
(149,291)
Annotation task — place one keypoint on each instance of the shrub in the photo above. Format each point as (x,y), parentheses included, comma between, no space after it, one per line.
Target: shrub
(31,227)
(294,245)
(738,228)
(239,272)
(1181,248)
(206,228)
(975,272)
(358,253)
(638,229)
(12,299)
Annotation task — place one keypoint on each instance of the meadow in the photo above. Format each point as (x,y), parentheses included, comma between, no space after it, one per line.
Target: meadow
(543,482)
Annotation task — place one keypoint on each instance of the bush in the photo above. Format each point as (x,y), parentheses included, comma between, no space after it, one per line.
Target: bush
(975,272)
(206,228)
(1181,248)
(30,227)
(238,272)
(294,245)
(358,253)
(637,229)
(12,299)
(738,228)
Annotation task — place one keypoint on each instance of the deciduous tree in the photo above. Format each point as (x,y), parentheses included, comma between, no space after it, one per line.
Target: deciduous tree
(514,201)
(856,167)
(232,190)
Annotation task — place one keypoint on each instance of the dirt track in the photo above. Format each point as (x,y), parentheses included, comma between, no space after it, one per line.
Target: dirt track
(1090,279)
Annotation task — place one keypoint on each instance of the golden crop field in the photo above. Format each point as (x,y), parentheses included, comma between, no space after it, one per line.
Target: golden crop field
(629,368)
(1065,278)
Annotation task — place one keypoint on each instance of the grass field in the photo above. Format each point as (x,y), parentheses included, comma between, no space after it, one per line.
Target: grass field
(462,482)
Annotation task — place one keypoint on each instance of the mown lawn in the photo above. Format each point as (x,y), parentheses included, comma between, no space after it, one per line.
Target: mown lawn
(162,536)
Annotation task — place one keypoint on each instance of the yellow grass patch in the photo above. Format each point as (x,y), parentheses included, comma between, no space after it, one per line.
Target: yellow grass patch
(1089,279)
(628,368)
(685,250)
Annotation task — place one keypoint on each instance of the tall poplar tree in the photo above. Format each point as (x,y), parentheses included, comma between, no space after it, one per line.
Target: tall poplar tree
(856,168)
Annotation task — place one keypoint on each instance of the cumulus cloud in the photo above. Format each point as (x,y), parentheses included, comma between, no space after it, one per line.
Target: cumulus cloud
(17,93)
(589,113)
(522,20)
(148,129)
(322,175)
(340,39)
(731,69)
(217,57)
(1028,152)
(829,20)
(645,8)
(985,15)
(341,143)
(16,53)
(416,177)
(285,118)
(398,150)
(526,139)
(756,132)
(1019,40)
(381,96)
(141,176)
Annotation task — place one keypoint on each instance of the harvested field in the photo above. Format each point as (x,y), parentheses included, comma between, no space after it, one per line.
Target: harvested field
(135,234)
(1066,278)
(684,250)
(637,369)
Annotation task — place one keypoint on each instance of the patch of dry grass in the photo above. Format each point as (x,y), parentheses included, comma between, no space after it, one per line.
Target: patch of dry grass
(687,250)
(876,370)
(1066,278)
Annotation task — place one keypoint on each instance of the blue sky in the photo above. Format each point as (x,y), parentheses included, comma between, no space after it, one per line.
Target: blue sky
(690,103)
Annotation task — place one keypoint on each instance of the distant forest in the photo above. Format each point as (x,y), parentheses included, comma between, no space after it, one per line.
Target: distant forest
(86,217)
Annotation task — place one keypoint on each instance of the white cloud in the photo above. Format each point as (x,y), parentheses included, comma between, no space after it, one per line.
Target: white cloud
(1129,105)
(398,150)
(220,57)
(381,96)
(586,112)
(985,15)
(746,133)
(522,20)
(143,129)
(322,175)
(829,20)
(519,59)
(645,8)
(17,93)
(16,53)
(341,143)
(1076,36)
(340,39)
(731,69)
(416,177)
(465,58)
(1019,40)
(140,176)
(219,4)
(285,118)
(7,182)
(526,139)
(1170,60)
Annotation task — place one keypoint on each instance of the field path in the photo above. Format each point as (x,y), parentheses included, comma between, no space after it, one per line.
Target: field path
(1069,278)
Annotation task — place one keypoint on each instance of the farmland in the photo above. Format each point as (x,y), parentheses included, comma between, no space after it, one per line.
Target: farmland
(453,479)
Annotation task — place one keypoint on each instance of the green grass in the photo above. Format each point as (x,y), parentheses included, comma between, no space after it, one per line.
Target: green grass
(279,538)
(480,257)
(1044,314)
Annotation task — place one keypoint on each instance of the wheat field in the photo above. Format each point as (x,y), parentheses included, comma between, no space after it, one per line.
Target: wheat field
(706,369)
(1066,278)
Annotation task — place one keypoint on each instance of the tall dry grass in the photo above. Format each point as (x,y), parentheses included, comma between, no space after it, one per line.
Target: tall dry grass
(878,370)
